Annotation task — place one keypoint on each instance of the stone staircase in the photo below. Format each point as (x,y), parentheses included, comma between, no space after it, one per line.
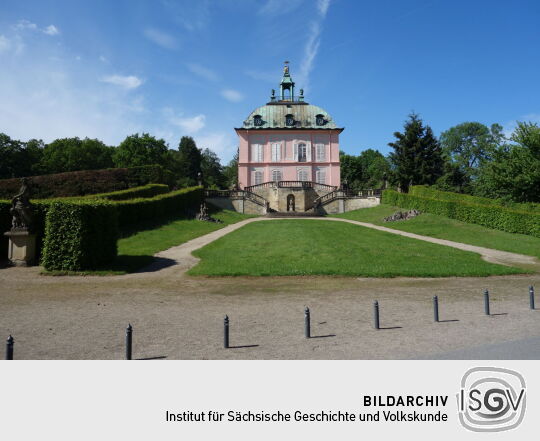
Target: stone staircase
(286,214)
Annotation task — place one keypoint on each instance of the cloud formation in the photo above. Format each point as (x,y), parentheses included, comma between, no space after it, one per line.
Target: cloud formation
(127,82)
(203,72)
(161,38)
(189,125)
(232,95)
(51,30)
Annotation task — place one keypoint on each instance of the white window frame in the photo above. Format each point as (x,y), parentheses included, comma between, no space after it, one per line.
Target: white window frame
(257,153)
(320,152)
(276,152)
(277,171)
(259,173)
(299,174)
(321,172)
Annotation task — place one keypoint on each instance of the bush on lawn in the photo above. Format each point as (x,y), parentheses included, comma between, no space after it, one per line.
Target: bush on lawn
(496,217)
(80,235)
(425,191)
(86,182)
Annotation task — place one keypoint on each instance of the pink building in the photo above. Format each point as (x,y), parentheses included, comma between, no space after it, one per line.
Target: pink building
(288,139)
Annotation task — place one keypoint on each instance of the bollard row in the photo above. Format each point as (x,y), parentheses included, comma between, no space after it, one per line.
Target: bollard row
(307,324)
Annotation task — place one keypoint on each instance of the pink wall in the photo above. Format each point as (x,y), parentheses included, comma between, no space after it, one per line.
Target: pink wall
(288,165)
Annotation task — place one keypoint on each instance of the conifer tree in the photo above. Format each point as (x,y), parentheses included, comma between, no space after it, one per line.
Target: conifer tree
(417,158)
(189,161)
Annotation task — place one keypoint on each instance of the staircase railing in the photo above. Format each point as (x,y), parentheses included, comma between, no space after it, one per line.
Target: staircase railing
(291,184)
(236,194)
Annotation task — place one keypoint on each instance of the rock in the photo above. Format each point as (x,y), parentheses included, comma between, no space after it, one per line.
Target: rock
(402,215)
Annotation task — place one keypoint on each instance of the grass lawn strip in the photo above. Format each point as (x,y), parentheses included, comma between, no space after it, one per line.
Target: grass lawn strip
(444,228)
(311,247)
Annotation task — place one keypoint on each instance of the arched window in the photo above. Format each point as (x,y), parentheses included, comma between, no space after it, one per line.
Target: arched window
(257,177)
(276,175)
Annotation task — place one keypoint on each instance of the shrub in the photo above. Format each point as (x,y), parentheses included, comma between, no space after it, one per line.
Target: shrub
(86,182)
(80,235)
(491,216)
(146,191)
(180,202)
(430,192)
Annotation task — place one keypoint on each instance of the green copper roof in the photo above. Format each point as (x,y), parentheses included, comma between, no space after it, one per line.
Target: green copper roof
(274,116)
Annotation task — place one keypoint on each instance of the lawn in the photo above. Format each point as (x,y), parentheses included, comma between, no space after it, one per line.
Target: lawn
(312,247)
(136,250)
(450,229)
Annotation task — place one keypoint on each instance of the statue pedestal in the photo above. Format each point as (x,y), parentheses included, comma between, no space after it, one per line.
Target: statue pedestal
(22,247)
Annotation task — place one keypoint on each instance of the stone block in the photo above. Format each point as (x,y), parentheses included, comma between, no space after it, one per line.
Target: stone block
(21,247)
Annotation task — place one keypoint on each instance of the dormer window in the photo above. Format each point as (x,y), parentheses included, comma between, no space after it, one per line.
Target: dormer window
(319,119)
(257,120)
(289,120)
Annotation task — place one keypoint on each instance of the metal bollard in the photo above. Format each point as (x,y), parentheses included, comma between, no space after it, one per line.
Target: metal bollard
(307,323)
(531,296)
(376,315)
(129,341)
(436,308)
(486,302)
(9,348)
(226,332)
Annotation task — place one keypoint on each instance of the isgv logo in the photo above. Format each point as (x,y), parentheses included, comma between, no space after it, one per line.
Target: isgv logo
(491,399)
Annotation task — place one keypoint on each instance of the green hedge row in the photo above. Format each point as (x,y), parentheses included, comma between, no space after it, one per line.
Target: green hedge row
(181,202)
(495,217)
(86,182)
(80,234)
(145,191)
(425,191)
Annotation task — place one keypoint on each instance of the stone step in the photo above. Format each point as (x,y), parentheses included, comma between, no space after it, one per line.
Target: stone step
(293,214)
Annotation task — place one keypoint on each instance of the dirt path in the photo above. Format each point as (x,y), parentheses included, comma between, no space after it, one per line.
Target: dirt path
(182,253)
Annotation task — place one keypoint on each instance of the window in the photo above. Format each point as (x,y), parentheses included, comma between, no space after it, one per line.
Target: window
(256,153)
(276,152)
(319,120)
(257,177)
(320,176)
(289,120)
(320,152)
(257,120)
(276,175)
(302,174)
(302,153)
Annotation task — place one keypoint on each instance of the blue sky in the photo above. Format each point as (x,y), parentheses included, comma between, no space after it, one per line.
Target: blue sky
(108,69)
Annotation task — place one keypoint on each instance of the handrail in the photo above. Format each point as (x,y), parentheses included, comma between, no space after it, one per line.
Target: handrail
(244,194)
(293,184)
(336,194)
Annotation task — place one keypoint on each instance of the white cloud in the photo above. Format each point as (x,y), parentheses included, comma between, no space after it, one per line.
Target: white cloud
(51,30)
(103,59)
(5,44)
(310,52)
(127,82)
(222,143)
(160,38)
(25,24)
(232,95)
(203,72)
(189,125)
(322,7)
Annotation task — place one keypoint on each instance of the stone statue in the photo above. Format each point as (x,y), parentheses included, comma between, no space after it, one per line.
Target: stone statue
(204,216)
(199,179)
(21,208)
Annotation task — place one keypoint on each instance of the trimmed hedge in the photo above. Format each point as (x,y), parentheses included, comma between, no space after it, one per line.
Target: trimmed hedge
(491,216)
(80,235)
(181,202)
(425,191)
(86,182)
(146,191)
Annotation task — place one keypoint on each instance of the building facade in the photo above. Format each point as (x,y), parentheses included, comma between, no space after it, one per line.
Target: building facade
(288,140)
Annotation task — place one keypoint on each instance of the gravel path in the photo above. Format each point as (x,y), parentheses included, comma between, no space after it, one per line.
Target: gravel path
(180,317)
